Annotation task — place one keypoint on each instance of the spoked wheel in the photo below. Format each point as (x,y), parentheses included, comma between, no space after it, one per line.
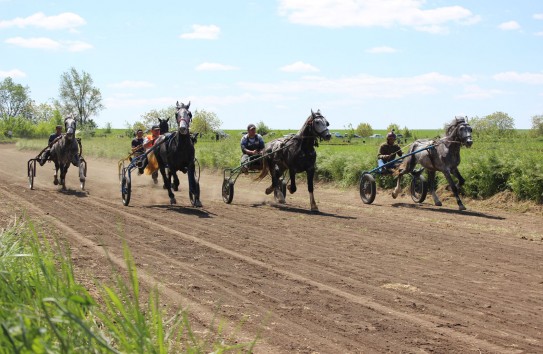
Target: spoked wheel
(82,173)
(419,188)
(31,173)
(126,187)
(227,191)
(367,188)
(196,170)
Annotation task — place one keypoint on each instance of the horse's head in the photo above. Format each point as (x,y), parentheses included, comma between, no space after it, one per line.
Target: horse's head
(164,126)
(320,125)
(460,131)
(183,117)
(69,126)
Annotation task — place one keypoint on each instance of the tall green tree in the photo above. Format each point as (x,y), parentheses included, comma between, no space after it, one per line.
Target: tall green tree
(496,124)
(150,118)
(204,122)
(364,130)
(537,125)
(393,127)
(79,96)
(14,99)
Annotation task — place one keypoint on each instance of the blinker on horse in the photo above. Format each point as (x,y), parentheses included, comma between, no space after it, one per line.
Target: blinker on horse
(177,154)
(444,157)
(295,154)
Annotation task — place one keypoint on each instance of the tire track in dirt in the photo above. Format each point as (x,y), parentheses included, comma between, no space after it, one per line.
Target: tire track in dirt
(347,252)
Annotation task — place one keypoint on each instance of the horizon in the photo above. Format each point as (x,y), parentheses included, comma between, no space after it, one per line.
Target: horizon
(412,63)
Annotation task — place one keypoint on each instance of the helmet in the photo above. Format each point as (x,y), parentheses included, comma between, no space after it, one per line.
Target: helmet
(391,135)
(250,126)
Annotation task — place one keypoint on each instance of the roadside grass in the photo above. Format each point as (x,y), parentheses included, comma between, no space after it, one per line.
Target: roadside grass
(43,309)
(491,166)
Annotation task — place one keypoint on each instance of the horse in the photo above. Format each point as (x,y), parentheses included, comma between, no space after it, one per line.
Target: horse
(65,151)
(442,155)
(164,130)
(176,153)
(296,154)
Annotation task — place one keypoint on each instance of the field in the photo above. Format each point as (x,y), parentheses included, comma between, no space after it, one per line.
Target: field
(388,277)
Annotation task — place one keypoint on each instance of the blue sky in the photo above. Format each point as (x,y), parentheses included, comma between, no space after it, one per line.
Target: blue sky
(415,63)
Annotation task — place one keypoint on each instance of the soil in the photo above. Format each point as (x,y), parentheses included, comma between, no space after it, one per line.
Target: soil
(393,276)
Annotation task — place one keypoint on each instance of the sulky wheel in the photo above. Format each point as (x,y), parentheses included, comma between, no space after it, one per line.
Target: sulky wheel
(227,191)
(367,188)
(126,188)
(82,173)
(31,173)
(419,188)
(196,170)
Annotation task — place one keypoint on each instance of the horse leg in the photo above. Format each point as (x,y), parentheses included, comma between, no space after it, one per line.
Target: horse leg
(461,179)
(432,186)
(55,176)
(310,173)
(194,188)
(167,184)
(175,181)
(396,191)
(292,186)
(454,190)
(271,168)
(63,171)
(277,193)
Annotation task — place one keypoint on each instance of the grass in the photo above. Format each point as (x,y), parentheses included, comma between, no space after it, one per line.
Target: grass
(491,166)
(43,309)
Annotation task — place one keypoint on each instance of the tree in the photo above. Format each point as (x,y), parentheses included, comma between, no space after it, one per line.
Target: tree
(496,124)
(204,122)
(537,125)
(364,130)
(150,118)
(14,99)
(406,132)
(42,112)
(393,127)
(262,128)
(79,96)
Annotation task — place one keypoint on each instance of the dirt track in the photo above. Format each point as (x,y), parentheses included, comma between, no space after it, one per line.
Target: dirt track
(389,277)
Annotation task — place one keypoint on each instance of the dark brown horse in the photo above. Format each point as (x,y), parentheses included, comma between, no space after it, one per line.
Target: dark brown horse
(444,156)
(295,154)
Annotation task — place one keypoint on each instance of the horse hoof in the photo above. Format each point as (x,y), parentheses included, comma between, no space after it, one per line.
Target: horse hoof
(173,201)
(82,179)
(269,190)
(164,186)
(438,204)
(394,195)
(197,204)
(461,207)
(315,209)
(175,188)
(55,181)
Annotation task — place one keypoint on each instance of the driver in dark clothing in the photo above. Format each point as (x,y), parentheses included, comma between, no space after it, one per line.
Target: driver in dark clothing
(388,151)
(52,137)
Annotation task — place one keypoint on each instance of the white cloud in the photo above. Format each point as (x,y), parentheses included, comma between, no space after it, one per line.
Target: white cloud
(202,32)
(299,67)
(374,13)
(215,67)
(538,16)
(379,50)
(66,20)
(129,84)
(48,44)
(524,78)
(474,92)
(539,33)
(362,86)
(509,26)
(12,73)
(35,43)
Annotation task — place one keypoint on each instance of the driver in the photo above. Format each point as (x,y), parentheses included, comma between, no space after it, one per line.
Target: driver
(52,137)
(148,143)
(388,151)
(252,145)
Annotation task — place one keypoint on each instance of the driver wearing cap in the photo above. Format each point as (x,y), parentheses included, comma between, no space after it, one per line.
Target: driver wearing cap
(252,145)
(388,150)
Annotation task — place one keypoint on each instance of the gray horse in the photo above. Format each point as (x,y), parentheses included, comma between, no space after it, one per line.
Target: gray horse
(295,154)
(444,156)
(66,151)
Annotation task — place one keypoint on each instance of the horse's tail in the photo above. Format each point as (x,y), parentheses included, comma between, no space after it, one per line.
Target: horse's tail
(408,163)
(264,172)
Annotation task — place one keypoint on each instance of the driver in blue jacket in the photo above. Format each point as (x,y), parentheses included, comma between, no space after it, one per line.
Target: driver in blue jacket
(252,145)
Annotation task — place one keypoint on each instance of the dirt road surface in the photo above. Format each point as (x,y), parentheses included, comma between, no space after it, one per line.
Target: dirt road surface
(388,277)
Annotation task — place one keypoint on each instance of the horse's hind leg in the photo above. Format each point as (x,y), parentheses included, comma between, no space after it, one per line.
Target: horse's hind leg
(194,187)
(432,186)
(63,171)
(277,193)
(292,186)
(55,176)
(167,184)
